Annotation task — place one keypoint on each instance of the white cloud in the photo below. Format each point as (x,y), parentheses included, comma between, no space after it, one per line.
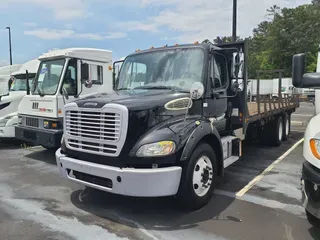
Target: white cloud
(62,9)
(68,26)
(3,63)
(201,19)
(53,34)
(136,26)
(30,24)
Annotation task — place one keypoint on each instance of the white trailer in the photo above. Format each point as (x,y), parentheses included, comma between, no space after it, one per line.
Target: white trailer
(10,102)
(266,87)
(64,75)
(286,87)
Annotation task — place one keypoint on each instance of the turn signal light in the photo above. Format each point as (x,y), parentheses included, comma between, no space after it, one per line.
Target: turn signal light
(315,147)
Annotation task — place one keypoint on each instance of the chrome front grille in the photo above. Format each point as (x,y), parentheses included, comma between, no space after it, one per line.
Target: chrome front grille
(32,122)
(93,125)
(99,131)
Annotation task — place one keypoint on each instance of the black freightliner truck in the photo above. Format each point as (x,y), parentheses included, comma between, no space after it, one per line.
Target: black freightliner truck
(176,120)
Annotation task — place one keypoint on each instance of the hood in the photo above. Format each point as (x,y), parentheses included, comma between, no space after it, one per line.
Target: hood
(134,100)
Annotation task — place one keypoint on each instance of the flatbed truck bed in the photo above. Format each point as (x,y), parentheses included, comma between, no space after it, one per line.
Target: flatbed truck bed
(267,106)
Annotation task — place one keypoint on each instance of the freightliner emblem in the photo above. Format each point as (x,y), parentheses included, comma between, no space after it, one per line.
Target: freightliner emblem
(91,104)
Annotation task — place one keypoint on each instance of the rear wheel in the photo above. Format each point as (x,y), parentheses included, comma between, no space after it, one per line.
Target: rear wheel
(197,182)
(287,126)
(276,132)
(272,133)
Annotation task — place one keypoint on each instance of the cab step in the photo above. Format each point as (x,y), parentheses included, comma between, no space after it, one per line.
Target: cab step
(231,147)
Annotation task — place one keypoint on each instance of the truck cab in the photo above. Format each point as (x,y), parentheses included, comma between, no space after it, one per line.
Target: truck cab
(63,76)
(5,75)
(175,121)
(310,179)
(17,90)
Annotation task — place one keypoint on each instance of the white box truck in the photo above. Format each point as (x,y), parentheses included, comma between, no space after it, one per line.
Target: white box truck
(63,76)
(9,103)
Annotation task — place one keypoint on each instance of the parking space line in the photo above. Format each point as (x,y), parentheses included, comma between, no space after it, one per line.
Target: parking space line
(268,169)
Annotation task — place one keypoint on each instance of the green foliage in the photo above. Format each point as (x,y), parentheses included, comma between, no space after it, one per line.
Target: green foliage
(286,32)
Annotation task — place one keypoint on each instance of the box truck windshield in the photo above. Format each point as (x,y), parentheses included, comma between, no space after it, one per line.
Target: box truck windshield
(19,83)
(47,80)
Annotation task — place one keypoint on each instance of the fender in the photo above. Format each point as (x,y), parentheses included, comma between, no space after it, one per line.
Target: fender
(204,130)
(168,130)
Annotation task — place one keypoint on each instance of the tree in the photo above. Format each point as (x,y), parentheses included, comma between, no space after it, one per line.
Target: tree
(315,1)
(287,32)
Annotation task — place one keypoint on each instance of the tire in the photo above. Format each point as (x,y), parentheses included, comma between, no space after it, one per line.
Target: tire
(272,133)
(191,195)
(312,219)
(287,126)
(276,132)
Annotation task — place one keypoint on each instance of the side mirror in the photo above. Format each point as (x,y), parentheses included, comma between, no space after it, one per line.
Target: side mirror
(65,93)
(27,82)
(298,69)
(9,83)
(84,72)
(237,86)
(116,71)
(196,90)
(300,79)
(237,65)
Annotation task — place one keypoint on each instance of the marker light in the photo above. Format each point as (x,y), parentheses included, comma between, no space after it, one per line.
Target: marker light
(315,147)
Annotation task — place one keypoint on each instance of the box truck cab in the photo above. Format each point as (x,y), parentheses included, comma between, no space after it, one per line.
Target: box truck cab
(63,76)
(10,102)
(5,75)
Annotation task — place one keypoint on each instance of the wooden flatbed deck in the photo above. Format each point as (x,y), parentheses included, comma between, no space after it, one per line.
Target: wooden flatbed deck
(269,106)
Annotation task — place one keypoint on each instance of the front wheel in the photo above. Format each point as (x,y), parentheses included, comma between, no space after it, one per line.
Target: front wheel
(312,219)
(198,178)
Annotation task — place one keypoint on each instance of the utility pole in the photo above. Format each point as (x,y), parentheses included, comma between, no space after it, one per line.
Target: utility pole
(10,44)
(234,21)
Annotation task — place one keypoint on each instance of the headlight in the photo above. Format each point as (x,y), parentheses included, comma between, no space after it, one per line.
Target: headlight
(51,124)
(315,147)
(3,121)
(162,148)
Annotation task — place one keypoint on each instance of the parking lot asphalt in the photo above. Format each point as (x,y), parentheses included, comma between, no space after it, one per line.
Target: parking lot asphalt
(257,199)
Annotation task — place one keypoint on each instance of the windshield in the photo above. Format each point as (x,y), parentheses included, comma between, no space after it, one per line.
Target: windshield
(19,83)
(48,77)
(168,69)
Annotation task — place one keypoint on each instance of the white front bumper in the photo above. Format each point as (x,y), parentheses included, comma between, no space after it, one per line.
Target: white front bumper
(7,132)
(155,182)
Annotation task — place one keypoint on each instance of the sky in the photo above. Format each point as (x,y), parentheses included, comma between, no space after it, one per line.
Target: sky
(122,26)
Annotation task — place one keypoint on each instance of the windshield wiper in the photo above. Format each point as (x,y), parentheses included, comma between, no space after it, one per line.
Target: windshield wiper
(40,93)
(125,88)
(163,87)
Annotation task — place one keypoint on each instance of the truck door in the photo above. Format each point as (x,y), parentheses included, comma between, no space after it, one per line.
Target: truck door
(218,85)
(70,83)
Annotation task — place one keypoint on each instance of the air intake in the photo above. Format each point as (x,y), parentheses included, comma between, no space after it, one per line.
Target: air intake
(179,104)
